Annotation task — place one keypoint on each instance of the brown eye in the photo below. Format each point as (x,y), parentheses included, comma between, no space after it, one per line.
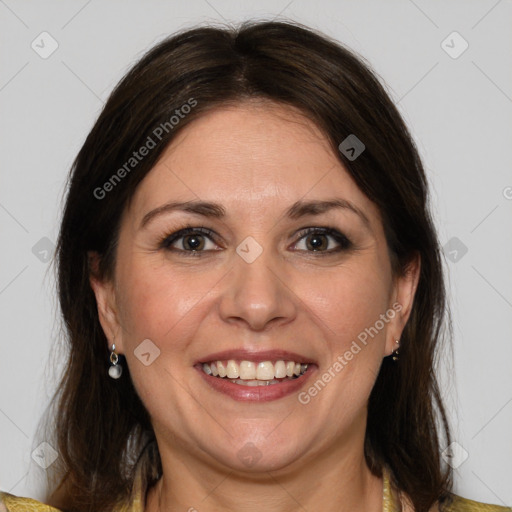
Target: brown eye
(317,242)
(322,240)
(193,242)
(189,240)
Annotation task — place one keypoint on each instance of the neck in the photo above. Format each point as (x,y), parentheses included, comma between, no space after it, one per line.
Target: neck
(326,482)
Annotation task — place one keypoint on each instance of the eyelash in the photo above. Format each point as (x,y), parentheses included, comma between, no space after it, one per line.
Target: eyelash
(168,240)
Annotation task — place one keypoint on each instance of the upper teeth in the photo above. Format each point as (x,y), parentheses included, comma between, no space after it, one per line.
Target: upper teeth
(264,370)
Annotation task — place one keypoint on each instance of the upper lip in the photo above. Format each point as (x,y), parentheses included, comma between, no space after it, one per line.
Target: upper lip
(255,355)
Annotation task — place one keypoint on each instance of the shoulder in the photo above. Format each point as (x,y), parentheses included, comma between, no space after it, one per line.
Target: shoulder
(11,503)
(459,504)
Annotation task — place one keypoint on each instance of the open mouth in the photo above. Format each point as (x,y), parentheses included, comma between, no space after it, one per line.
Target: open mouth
(250,373)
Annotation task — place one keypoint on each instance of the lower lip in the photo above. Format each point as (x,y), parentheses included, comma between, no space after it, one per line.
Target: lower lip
(257,393)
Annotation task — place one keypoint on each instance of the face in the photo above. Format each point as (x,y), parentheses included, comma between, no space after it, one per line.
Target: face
(287,262)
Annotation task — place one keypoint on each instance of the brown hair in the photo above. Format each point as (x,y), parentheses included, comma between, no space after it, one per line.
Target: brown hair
(101,428)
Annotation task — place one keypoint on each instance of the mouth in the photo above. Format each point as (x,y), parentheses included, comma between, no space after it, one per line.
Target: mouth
(256,376)
(254,373)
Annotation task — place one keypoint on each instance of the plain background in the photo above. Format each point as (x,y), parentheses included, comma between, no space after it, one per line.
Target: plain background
(459,111)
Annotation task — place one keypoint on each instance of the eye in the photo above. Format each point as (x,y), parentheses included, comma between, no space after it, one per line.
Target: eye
(321,240)
(191,240)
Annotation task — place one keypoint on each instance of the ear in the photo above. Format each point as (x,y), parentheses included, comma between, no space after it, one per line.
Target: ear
(104,291)
(404,291)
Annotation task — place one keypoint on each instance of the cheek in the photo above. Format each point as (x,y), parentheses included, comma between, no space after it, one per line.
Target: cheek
(158,304)
(350,299)
(348,307)
(162,307)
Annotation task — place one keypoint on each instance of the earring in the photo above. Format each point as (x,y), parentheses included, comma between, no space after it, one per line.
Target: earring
(115,369)
(395,352)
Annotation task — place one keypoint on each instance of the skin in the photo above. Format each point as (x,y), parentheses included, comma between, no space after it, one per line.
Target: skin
(256,159)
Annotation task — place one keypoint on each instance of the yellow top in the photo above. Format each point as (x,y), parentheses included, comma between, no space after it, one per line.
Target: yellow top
(390,502)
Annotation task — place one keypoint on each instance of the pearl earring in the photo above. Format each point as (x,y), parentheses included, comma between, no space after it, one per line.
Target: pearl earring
(115,369)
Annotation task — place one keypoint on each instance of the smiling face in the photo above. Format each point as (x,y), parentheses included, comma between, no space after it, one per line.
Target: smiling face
(261,269)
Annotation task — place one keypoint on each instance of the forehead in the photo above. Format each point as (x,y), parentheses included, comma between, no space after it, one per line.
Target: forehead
(257,157)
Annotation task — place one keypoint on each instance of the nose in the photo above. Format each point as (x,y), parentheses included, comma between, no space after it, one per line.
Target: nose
(256,294)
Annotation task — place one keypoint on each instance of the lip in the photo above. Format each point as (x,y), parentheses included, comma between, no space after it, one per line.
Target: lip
(255,355)
(256,393)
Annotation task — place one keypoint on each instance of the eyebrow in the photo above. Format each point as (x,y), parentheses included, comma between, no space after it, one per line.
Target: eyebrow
(297,210)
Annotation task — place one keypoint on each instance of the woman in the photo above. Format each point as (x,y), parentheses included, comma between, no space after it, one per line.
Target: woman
(252,288)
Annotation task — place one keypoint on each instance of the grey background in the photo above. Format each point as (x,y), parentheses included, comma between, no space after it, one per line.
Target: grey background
(459,110)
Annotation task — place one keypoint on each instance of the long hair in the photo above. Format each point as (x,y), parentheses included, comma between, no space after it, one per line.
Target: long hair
(100,426)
